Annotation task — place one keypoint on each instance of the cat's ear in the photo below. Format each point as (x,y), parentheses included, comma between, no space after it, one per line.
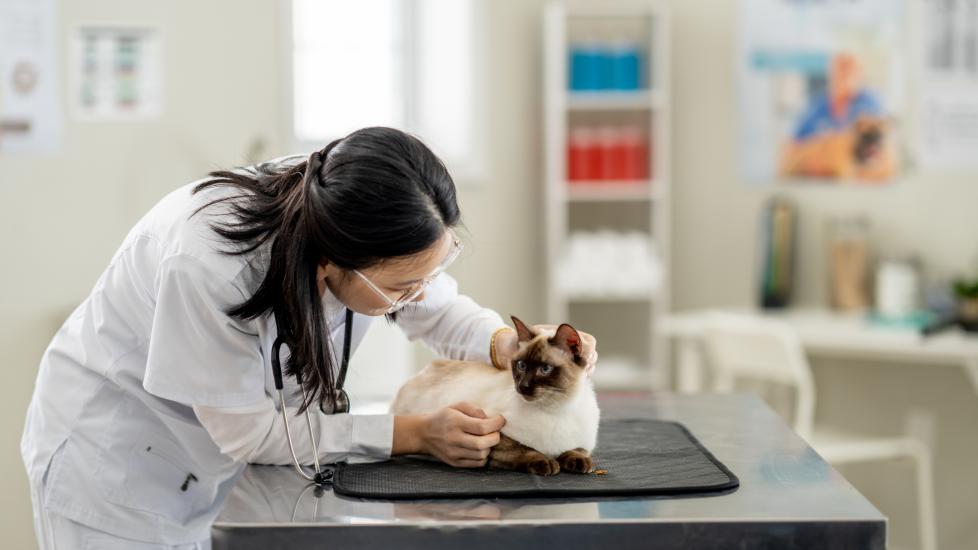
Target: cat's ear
(567,339)
(523,332)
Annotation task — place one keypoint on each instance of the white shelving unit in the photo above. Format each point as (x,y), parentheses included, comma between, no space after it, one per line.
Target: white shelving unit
(627,325)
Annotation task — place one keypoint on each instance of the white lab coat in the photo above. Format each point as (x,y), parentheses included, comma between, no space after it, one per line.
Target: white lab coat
(111,436)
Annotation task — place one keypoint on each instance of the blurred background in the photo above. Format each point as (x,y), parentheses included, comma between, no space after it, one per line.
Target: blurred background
(764,195)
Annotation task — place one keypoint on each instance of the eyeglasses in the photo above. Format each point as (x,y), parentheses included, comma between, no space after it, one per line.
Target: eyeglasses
(416,290)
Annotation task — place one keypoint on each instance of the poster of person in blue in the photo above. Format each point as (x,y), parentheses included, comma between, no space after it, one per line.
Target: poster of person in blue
(822,91)
(842,133)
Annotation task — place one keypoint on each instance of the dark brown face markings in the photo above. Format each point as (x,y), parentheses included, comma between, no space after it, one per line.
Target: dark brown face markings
(531,377)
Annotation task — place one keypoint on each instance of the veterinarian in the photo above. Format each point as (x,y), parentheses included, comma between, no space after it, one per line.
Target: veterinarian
(158,389)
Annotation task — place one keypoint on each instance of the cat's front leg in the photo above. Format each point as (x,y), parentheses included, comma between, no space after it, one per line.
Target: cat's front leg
(576,460)
(510,454)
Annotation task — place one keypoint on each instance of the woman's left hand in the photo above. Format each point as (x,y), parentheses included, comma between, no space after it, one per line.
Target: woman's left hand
(506,346)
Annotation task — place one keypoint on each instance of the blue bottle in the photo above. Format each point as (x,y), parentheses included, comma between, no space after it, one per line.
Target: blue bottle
(585,67)
(625,63)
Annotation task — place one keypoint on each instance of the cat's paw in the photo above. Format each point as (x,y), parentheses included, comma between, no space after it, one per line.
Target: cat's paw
(576,461)
(543,466)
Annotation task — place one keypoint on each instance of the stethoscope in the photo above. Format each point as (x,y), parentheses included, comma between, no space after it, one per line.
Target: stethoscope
(342,404)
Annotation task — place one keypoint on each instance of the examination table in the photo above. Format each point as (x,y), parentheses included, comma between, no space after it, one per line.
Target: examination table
(788,498)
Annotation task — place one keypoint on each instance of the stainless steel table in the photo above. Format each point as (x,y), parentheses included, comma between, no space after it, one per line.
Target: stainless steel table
(789,498)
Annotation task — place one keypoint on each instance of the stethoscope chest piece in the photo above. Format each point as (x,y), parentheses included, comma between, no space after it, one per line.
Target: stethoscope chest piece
(323,477)
(342,405)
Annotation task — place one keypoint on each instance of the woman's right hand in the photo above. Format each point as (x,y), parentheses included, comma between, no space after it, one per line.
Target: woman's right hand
(460,435)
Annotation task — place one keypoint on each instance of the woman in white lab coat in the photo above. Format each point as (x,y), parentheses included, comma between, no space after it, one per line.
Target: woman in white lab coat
(158,388)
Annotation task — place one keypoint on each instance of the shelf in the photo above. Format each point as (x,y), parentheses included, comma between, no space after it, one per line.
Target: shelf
(612,100)
(613,191)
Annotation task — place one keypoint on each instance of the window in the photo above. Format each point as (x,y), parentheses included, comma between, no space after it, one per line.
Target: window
(410,64)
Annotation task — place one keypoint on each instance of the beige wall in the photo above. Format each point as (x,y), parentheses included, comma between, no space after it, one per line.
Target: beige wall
(64,215)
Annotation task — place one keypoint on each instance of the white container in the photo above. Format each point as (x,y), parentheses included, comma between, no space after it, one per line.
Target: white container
(897,288)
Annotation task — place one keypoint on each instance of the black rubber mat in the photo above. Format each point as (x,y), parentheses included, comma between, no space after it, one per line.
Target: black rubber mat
(641,457)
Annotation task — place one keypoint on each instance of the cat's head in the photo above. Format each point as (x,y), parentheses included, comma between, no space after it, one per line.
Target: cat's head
(547,368)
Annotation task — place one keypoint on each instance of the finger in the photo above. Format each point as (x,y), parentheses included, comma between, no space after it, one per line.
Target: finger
(549,330)
(460,453)
(481,442)
(590,347)
(476,426)
(588,340)
(469,409)
(469,463)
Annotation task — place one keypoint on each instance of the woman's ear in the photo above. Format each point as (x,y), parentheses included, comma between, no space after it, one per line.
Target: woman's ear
(327,269)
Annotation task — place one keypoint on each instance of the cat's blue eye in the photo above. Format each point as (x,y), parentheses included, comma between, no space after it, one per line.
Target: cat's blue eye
(545,370)
(521,366)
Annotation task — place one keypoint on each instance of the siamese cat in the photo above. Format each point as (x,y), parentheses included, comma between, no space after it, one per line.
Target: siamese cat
(547,400)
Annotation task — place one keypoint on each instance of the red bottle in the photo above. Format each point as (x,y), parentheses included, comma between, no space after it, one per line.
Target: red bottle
(635,154)
(595,157)
(580,154)
(614,154)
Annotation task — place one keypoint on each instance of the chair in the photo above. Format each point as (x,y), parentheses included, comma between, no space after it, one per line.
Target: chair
(769,351)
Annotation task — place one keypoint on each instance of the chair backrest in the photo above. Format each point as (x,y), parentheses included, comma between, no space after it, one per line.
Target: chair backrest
(765,350)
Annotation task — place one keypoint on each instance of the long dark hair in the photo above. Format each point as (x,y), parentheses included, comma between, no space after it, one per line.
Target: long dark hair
(376,194)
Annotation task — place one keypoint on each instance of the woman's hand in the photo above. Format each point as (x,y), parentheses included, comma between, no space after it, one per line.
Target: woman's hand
(460,435)
(507,344)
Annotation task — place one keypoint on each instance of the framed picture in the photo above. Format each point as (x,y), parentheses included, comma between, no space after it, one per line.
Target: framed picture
(821,90)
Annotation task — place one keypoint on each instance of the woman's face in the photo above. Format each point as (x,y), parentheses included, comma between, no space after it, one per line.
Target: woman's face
(393,277)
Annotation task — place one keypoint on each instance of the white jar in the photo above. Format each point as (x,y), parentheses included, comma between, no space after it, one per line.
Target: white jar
(897,288)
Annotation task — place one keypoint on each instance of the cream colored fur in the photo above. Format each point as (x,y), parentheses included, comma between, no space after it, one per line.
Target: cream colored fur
(547,425)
